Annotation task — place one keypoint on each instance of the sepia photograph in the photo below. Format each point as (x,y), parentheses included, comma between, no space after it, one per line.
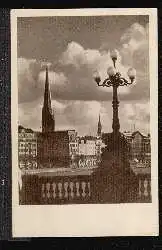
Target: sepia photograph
(83,128)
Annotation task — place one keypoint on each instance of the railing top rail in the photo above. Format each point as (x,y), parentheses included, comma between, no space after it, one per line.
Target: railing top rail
(59,172)
(141,170)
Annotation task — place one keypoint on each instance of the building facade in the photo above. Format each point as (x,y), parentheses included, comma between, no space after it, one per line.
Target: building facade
(27,148)
(140,146)
(73,143)
(87,146)
(53,149)
(73,148)
(89,151)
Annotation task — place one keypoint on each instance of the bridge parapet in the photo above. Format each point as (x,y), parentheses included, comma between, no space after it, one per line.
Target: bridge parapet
(76,186)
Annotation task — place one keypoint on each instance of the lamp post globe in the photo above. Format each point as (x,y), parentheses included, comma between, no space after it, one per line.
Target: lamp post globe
(131,73)
(111,71)
(97,77)
(114,54)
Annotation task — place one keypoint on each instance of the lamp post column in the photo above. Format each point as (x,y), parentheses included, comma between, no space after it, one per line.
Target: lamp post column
(115,80)
(115,123)
(115,105)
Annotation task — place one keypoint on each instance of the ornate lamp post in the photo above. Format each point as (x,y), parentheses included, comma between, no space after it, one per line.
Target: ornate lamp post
(115,80)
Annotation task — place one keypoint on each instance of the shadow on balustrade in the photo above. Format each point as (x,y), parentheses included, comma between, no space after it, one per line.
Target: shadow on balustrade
(29,193)
(114,181)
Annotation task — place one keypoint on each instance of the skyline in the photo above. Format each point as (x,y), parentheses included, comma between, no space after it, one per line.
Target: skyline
(73,47)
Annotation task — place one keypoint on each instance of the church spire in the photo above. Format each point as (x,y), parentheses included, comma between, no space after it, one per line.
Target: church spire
(47,96)
(99,130)
(48,122)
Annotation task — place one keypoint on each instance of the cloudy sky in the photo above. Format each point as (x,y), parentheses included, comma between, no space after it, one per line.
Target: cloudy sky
(74,48)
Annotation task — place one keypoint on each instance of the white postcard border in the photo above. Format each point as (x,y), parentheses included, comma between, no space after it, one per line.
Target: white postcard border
(86,220)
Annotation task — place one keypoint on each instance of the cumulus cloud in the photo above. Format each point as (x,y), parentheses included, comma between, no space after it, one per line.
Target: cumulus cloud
(83,115)
(137,114)
(77,56)
(28,84)
(31,79)
(76,98)
(137,111)
(80,65)
(54,78)
(75,81)
(135,47)
(79,115)
(30,114)
(135,37)
(28,70)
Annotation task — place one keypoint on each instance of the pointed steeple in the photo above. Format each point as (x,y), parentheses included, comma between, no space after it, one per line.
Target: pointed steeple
(99,119)
(99,130)
(48,122)
(47,96)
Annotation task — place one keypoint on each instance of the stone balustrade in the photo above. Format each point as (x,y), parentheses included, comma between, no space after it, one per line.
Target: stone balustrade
(144,191)
(68,191)
(71,189)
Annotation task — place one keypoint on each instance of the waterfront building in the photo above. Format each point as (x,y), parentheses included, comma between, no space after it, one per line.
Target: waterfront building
(73,143)
(87,145)
(27,148)
(53,149)
(140,146)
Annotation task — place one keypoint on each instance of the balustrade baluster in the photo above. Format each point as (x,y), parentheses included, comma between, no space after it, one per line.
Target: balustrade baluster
(77,189)
(60,189)
(83,189)
(74,189)
(57,191)
(89,189)
(149,188)
(54,190)
(140,184)
(43,191)
(48,190)
(66,189)
(71,188)
(145,184)
(142,188)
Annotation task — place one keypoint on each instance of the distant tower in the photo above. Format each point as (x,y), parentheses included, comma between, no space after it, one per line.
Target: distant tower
(99,130)
(48,120)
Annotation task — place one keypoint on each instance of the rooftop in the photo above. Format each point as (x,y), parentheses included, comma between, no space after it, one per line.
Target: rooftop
(87,138)
(131,134)
(27,130)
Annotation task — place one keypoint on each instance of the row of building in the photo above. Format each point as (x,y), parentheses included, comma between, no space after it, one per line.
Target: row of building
(67,149)
(50,148)
(57,149)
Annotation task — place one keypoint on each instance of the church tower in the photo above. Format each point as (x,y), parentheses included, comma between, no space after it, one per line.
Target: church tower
(99,130)
(48,121)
